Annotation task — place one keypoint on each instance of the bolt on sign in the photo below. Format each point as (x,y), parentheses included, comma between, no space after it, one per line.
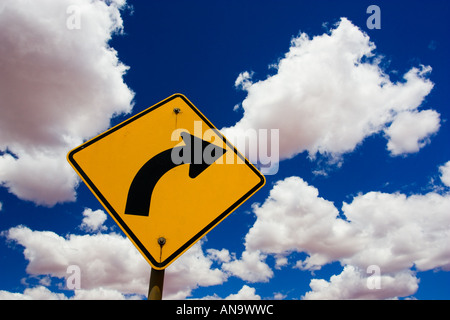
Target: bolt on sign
(167,177)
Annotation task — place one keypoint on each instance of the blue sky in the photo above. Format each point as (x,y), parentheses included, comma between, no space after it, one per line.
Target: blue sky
(362,114)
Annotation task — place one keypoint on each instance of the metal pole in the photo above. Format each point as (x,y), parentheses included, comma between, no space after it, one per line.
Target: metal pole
(155,289)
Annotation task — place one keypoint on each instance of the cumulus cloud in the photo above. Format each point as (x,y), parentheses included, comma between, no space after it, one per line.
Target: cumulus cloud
(395,232)
(295,218)
(43,293)
(37,293)
(93,220)
(191,270)
(219,255)
(251,267)
(329,93)
(352,284)
(445,173)
(410,131)
(111,267)
(106,260)
(102,294)
(246,293)
(58,86)
(401,231)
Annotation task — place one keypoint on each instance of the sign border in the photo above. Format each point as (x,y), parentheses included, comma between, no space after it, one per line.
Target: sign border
(116,216)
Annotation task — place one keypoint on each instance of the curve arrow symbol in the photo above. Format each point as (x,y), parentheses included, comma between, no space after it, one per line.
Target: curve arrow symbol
(192,153)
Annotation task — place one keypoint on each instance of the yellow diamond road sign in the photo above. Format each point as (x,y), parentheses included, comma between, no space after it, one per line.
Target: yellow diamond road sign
(167,176)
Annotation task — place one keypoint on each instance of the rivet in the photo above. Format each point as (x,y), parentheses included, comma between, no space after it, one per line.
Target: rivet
(161,241)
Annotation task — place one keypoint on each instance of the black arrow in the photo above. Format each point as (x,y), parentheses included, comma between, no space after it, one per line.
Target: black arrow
(198,153)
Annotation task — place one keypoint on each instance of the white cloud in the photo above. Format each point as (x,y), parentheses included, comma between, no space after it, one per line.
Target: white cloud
(295,218)
(191,270)
(58,86)
(279,296)
(392,231)
(93,220)
(410,131)
(251,267)
(246,293)
(352,284)
(102,294)
(445,173)
(219,255)
(109,261)
(401,231)
(38,176)
(329,94)
(111,267)
(43,293)
(37,293)
(243,81)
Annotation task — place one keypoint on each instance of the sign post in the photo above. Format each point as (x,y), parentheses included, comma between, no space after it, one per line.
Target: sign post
(155,288)
(167,176)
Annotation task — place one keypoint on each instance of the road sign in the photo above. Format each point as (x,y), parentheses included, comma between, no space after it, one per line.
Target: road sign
(167,176)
